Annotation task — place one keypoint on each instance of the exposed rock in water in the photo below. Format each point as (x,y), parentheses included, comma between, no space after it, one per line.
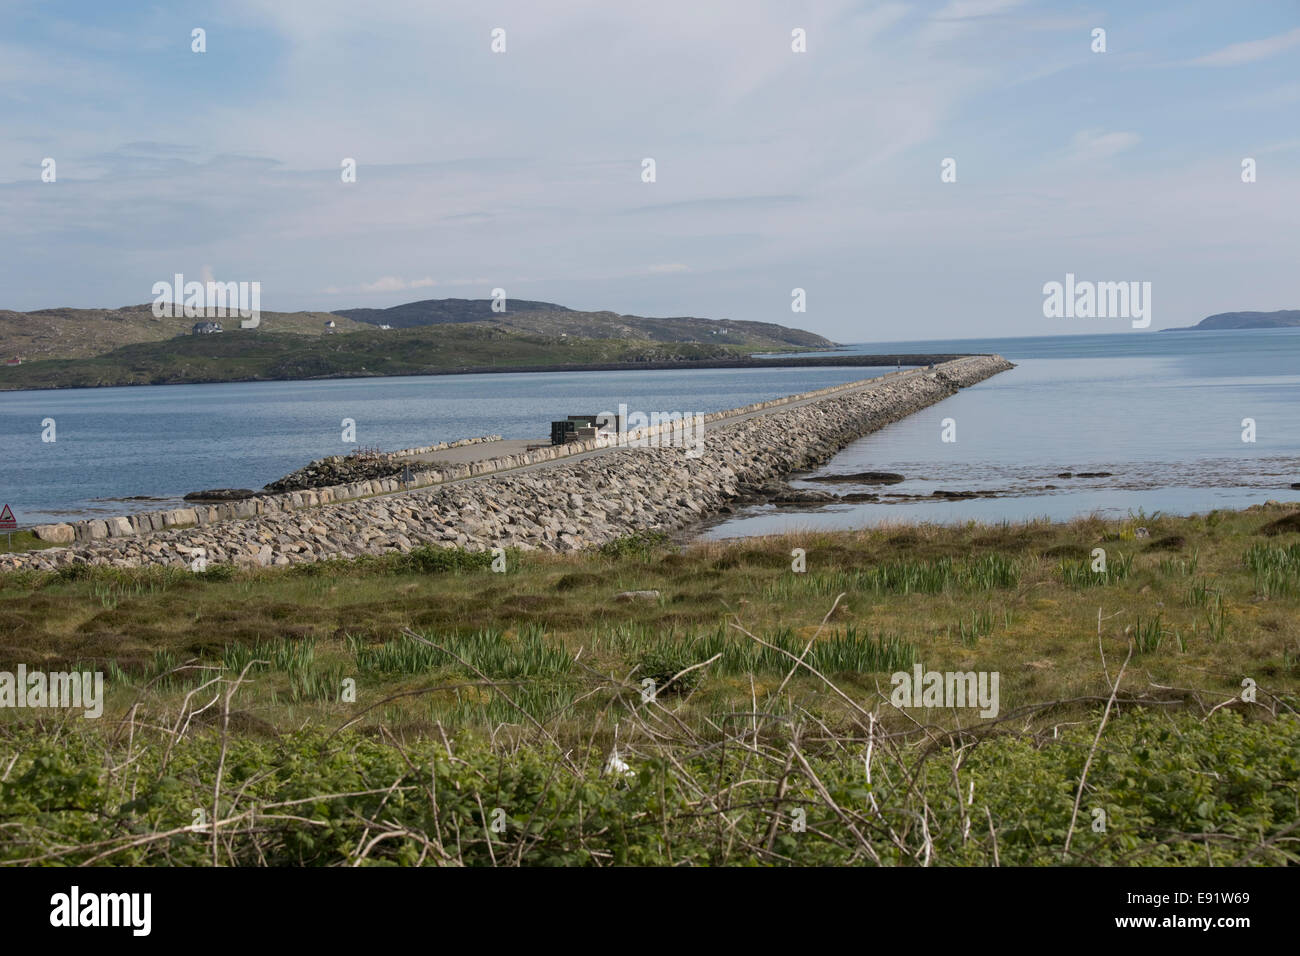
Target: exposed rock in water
(779,493)
(943,495)
(863,478)
(801,496)
(222,494)
(761,491)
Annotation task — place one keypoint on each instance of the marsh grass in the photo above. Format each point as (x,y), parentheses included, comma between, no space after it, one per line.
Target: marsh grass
(1276,569)
(989,597)
(980,623)
(1079,574)
(281,653)
(1148,634)
(1216,616)
(1200,594)
(840,651)
(984,573)
(1180,567)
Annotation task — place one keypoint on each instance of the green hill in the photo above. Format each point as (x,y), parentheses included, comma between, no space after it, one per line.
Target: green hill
(256,355)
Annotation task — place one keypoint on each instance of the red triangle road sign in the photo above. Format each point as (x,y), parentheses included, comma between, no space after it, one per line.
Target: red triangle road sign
(7,520)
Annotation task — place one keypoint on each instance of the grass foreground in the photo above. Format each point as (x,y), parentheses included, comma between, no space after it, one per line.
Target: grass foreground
(424,708)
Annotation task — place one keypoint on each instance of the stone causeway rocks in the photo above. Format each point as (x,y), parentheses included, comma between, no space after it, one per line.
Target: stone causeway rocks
(565,507)
(345,469)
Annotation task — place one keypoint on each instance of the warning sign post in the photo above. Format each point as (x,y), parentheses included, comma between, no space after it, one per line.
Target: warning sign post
(8,523)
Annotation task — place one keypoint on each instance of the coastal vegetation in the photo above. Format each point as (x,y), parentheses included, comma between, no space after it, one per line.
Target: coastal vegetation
(1147,712)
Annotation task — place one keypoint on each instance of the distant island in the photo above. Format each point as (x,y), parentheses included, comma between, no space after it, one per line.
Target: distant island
(72,348)
(1282,319)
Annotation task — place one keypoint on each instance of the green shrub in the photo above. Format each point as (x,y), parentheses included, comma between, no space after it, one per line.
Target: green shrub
(661,665)
(218,572)
(639,544)
(430,560)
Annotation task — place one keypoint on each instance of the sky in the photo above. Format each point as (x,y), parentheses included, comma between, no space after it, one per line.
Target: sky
(774,170)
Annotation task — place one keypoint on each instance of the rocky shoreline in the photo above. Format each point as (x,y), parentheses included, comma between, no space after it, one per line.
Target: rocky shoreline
(565,507)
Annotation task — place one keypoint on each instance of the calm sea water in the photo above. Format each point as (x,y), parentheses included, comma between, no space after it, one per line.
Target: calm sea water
(164,441)
(1161,411)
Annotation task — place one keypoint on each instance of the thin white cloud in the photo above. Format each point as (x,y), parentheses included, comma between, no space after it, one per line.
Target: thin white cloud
(1094,145)
(395,284)
(387,284)
(1250,51)
(971,9)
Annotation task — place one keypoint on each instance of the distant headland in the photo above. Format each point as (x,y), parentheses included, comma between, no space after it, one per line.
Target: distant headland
(1282,319)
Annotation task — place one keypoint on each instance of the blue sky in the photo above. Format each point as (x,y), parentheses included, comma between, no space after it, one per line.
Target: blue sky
(775,169)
